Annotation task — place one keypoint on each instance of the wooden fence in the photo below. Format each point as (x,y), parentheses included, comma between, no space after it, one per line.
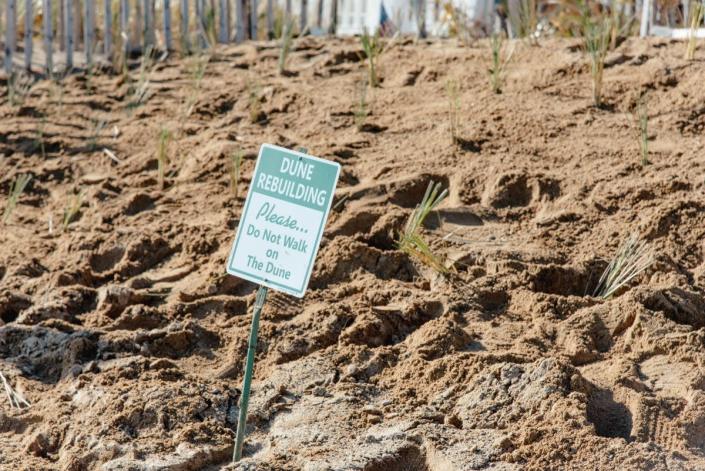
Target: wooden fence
(79,33)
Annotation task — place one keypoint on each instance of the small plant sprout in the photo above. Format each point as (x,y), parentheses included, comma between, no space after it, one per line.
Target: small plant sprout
(16,189)
(597,33)
(235,166)
(287,37)
(372,46)
(72,209)
(254,102)
(163,155)
(197,70)
(361,108)
(15,397)
(697,14)
(18,88)
(41,131)
(453,96)
(642,121)
(499,64)
(632,258)
(411,241)
(139,92)
(97,127)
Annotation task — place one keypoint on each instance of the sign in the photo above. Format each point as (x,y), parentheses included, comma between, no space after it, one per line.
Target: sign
(282,223)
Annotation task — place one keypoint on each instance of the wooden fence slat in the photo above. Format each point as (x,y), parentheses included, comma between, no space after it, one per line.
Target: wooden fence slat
(62,26)
(68,22)
(333,26)
(108,35)
(88,30)
(167,24)
(28,27)
(253,21)
(240,21)
(199,22)
(148,24)
(48,37)
(303,18)
(270,19)
(184,24)
(139,22)
(10,30)
(224,34)
(77,22)
(124,25)
(319,14)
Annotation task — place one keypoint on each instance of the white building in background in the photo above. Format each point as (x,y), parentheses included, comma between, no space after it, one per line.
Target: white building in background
(354,16)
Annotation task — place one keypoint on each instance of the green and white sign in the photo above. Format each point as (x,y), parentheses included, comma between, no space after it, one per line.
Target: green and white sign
(282,223)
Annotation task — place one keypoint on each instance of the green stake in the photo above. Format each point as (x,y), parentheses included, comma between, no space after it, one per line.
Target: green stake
(249,366)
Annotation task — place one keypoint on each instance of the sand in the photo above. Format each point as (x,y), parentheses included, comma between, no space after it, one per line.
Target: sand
(128,338)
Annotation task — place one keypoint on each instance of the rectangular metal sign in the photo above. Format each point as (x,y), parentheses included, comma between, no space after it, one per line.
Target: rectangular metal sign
(282,222)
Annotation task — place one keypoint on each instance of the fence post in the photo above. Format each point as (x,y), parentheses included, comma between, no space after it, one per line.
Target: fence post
(48,37)
(253,20)
(10,27)
(68,22)
(240,21)
(167,24)
(28,27)
(108,35)
(124,23)
(88,30)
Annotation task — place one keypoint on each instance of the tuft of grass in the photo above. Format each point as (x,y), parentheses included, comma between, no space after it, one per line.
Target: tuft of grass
(39,141)
(57,89)
(499,64)
(642,120)
(235,167)
(411,241)
(453,95)
(361,108)
(254,100)
(197,71)
(697,14)
(139,91)
(97,127)
(18,88)
(163,155)
(287,37)
(597,33)
(16,399)
(16,189)
(526,21)
(632,258)
(73,207)
(373,47)
(209,26)
(460,24)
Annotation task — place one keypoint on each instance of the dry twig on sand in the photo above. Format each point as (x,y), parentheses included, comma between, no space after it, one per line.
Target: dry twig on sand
(16,399)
